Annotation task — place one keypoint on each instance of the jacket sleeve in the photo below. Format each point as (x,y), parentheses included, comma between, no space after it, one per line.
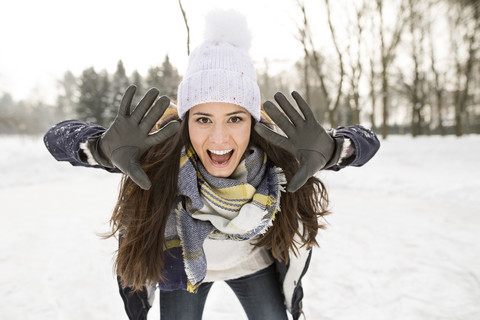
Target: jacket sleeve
(66,141)
(364,142)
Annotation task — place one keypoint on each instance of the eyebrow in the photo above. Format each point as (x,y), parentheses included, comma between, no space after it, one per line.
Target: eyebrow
(228,114)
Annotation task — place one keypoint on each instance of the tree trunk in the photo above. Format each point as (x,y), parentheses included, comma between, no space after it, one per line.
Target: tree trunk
(385,103)
(332,117)
(462,93)
(372,94)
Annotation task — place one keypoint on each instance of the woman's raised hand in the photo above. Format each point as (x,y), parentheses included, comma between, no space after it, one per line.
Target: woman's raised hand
(306,139)
(128,137)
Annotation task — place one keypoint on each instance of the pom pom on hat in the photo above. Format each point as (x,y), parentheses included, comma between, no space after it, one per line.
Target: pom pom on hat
(220,69)
(228,26)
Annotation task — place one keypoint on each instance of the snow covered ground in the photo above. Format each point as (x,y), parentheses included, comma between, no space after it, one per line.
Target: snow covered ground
(403,241)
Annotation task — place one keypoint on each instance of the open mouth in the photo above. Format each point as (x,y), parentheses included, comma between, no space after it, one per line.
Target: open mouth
(220,157)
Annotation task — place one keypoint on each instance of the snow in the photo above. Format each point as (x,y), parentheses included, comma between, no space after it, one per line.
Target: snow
(402,242)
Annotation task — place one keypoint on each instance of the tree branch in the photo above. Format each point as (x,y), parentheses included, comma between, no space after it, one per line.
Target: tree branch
(186,25)
(340,56)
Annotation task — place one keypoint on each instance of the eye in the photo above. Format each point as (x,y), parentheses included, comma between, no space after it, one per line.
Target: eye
(203,120)
(235,119)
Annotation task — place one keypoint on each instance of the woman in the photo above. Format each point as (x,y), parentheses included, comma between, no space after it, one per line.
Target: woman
(203,196)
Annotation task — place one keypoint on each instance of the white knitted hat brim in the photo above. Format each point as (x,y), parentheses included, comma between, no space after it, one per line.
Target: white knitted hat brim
(219,85)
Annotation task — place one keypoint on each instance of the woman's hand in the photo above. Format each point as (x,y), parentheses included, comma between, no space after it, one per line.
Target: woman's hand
(128,137)
(306,139)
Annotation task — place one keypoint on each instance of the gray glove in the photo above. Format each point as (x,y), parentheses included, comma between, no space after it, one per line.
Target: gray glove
(306,139)
(128,136)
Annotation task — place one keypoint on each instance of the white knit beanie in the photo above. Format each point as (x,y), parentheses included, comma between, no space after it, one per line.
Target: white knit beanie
(220,69)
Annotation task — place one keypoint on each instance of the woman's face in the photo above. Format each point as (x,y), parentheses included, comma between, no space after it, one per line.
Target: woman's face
(219,133)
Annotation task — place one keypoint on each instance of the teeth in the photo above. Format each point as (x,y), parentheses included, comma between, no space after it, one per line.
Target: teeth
(220,152)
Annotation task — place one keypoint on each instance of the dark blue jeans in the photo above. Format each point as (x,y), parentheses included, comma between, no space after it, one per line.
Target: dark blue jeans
(259,293)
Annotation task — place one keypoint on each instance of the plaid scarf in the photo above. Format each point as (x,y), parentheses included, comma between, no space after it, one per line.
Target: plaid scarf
(239,208)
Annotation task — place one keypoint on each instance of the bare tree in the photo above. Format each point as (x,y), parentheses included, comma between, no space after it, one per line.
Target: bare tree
(416,89)
(355,59)
(437,83)
(465,37)
(333,107)
(317,62)
(304,40)
(186,25)
(313,60)
(387,55)
(372,80)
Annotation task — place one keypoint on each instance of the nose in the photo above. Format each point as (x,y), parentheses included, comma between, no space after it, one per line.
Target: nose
(219,133)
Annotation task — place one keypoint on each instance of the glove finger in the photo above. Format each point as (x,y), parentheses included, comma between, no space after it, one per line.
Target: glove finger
(289,110)
(279,119)
(138,176)
(155,113)
(274,138)
(303,106)
(127,98)
(299,179)
(168,130)
(144,105)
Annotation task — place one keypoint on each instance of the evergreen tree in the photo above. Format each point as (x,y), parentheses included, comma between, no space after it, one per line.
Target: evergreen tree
(119,84)
(105,98)
(6,104)
(8,122)
(138,81)
(66,100)
(93,97)
(153,79)
(169,79)
(165,78)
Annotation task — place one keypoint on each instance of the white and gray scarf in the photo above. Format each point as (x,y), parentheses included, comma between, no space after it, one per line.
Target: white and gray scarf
(239,207)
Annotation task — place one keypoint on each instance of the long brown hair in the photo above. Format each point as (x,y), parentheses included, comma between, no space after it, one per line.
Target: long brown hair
(140,216)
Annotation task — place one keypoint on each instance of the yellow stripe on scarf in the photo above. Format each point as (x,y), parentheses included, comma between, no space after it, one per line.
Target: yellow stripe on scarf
(184,158)
(174,243)
(235,194)
(192,288)
(263,200)
(192,254)
(228,198)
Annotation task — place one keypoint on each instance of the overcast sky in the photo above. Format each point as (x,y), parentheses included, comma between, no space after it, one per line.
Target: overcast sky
(40,40)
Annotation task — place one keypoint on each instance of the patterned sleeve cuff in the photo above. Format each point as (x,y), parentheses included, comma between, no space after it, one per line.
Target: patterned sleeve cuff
(87,154)
(348,150)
